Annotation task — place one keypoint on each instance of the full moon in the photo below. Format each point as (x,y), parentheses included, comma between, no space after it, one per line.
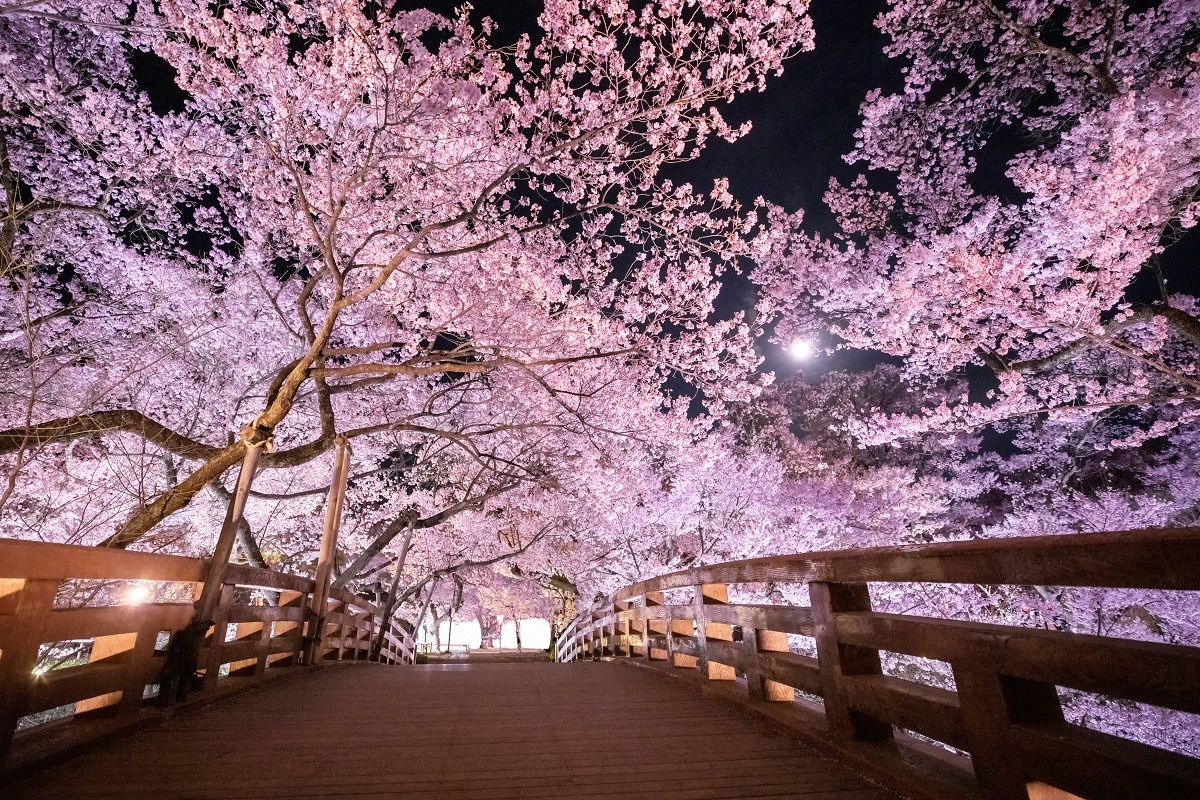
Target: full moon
(801,349)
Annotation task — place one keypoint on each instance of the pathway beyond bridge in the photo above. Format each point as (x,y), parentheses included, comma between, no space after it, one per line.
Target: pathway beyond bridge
(475,732)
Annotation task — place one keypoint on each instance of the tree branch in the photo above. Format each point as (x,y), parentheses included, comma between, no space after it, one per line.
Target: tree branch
(101,422)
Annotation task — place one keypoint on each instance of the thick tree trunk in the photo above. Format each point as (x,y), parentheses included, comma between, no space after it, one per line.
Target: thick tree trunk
(437,632)
(487,629)
(425,608)
(389,605)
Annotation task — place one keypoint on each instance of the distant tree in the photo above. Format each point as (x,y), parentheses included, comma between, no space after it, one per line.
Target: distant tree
(516,599)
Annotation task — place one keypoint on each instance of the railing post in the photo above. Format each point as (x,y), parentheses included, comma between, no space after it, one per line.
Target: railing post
(333,516)
(990,704)
(614,645)
(761,640)
(590,636)
(289,599)
(621,626)
(30,602)
(656,628)
(606,625)
(559,641)
(712,594)
(679,627)
(613,630)
(620,630)
(644,628)
(837,661)
(603,642)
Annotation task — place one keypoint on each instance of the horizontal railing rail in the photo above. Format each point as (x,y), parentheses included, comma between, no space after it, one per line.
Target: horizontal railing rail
(1003,709)
(84,631)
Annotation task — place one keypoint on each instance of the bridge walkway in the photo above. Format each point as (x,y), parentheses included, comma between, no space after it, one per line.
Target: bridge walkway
(471,732)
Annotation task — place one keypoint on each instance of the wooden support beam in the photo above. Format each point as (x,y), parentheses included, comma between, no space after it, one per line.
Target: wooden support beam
(991,704)
(838,660)
(256,441)
(29,603)
(211,657)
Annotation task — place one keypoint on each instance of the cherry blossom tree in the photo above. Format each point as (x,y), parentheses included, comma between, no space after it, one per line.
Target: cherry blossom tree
(939,263)
(98,287)
(375,224)
(515,600)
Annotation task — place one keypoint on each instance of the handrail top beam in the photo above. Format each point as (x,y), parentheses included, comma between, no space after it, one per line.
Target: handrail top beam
(21,558)
(1140,559)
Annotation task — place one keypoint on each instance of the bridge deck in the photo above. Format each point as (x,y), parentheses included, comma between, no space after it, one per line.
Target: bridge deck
(473,732)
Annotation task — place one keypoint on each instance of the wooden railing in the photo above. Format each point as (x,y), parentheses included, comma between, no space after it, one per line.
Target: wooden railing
(111,614)
(1004,708)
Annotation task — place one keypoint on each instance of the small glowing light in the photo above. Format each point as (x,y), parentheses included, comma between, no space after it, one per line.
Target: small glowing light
(39,671)
(801,349)
(137,594)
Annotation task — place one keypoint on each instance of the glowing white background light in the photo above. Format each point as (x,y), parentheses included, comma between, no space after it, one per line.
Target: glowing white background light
(801,349)
(138,593)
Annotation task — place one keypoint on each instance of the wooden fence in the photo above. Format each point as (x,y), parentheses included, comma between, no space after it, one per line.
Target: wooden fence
(1004,710)
(112,613)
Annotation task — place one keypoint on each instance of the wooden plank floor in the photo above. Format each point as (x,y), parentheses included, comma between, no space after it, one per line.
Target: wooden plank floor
(474,732)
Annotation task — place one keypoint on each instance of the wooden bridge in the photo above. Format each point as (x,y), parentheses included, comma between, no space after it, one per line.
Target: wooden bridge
(684,694)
